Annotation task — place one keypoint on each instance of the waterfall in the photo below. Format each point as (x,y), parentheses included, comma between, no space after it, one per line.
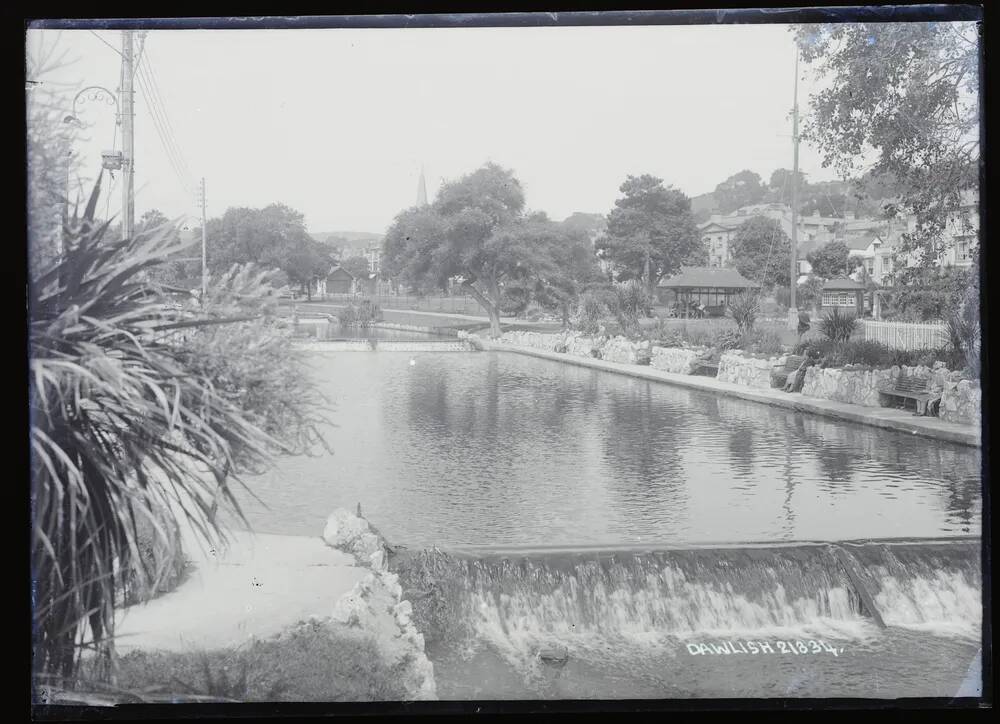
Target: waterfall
(518,602)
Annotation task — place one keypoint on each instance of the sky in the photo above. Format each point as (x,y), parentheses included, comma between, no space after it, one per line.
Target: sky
(338,123)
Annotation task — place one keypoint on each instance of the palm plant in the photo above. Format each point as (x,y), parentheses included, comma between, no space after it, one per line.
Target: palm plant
(838,327)
(133,425)
(744,308)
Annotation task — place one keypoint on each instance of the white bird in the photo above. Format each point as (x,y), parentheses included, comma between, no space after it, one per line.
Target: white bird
(413,361)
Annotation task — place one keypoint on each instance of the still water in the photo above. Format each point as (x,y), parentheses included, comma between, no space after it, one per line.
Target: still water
(497,448)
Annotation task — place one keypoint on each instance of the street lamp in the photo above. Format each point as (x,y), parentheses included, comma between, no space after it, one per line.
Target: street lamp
(111,160)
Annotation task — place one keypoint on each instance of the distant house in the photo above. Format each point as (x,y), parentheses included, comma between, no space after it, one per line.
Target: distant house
(703,290)
(337,281)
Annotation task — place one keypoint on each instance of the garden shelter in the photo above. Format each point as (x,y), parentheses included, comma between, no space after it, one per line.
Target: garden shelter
(844,294)
(703,290)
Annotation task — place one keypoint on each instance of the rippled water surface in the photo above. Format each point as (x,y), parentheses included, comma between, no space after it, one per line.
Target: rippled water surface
(503,449)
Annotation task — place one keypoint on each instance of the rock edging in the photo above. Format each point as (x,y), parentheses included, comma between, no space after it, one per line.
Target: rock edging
(376,603)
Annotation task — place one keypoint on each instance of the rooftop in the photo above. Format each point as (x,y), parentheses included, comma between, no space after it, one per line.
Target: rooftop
(707,277)
(842,283)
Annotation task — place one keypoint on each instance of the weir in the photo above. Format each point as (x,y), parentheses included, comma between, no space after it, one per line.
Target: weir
(851,588)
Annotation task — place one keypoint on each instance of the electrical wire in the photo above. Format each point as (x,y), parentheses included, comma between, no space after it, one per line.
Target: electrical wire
(154,77)
(105,42)
(169,146)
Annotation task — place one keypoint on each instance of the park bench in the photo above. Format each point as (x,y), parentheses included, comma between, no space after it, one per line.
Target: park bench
(779,375)
(707,365)
(913,388)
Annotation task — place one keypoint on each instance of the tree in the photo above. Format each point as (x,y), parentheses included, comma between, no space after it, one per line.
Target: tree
(126,421)
(907,94)
(572,269)
(809,293)
(305,260)
(651,231)
(273,237)
(762,252)
(930,293)
(177,272)
(832,260)
(740,189)
(357,266)
(475,231)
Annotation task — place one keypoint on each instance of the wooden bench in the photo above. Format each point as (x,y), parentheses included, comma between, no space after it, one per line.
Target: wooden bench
(913,388)
(706,365)
(779,375)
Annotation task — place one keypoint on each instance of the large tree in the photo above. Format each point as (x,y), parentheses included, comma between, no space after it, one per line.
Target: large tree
(906,97)
(740,189)
(273,237)
(651,231)
(476,231)
(831,260)
(571,269)
(762,252)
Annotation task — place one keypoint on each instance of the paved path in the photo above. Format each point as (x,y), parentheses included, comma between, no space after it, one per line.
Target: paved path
(885,417)
(257,587)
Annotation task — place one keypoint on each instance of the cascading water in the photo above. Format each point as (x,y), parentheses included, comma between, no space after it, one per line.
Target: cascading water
(601,608)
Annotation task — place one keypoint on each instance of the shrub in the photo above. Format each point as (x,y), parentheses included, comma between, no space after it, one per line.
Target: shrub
(631,302)
(763,342)
(727,339)
(963,331)
(838,327)
(743,309)
(313,661)
(593,308)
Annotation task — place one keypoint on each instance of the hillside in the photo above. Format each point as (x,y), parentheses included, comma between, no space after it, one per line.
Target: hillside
(351,243)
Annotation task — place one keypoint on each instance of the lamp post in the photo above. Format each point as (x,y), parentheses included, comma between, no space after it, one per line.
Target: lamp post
(111,160)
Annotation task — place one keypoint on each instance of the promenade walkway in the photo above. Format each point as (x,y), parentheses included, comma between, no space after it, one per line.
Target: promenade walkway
(884,417)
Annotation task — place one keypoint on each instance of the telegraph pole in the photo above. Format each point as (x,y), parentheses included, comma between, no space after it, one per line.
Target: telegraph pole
(127,105)
(204,246)
(793,312)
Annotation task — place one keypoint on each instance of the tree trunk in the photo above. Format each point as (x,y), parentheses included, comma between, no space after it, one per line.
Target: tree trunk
(492,307)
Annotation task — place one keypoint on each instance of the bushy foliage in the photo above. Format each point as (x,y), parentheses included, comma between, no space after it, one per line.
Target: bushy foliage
(630,303)
(363,314)
(838,327)
(312,661)
(592,309)
(763,342)
(830,353)
(743,309)
(727,339)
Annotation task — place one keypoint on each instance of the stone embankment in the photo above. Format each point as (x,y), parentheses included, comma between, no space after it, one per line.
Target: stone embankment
(376,603)
(961,399)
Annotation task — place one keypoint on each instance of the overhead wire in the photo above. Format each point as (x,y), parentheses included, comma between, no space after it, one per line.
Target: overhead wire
(170,146)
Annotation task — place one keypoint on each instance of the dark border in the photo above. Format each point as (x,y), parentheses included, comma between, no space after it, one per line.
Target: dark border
(376,15)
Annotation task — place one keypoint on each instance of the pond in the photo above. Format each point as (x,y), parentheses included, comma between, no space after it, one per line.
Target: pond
(503,449)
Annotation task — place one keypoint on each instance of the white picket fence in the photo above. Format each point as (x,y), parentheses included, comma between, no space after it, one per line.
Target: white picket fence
(906,335)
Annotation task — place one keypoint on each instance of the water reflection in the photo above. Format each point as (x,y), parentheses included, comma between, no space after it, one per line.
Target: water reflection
(496,448)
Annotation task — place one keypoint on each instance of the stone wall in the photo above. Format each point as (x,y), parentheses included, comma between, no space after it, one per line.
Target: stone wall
(674,359)
(962,402)
(753,372)
(960,399)
(376,605)
(857,386)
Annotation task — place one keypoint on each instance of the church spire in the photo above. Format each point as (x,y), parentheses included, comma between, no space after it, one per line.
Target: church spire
(422,189)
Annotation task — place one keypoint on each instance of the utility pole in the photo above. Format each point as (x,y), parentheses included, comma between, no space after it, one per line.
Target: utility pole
(204,245)
(127,105)
(793,312)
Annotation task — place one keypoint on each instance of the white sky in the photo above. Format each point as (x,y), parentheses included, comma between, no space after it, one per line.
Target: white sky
(336,123)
